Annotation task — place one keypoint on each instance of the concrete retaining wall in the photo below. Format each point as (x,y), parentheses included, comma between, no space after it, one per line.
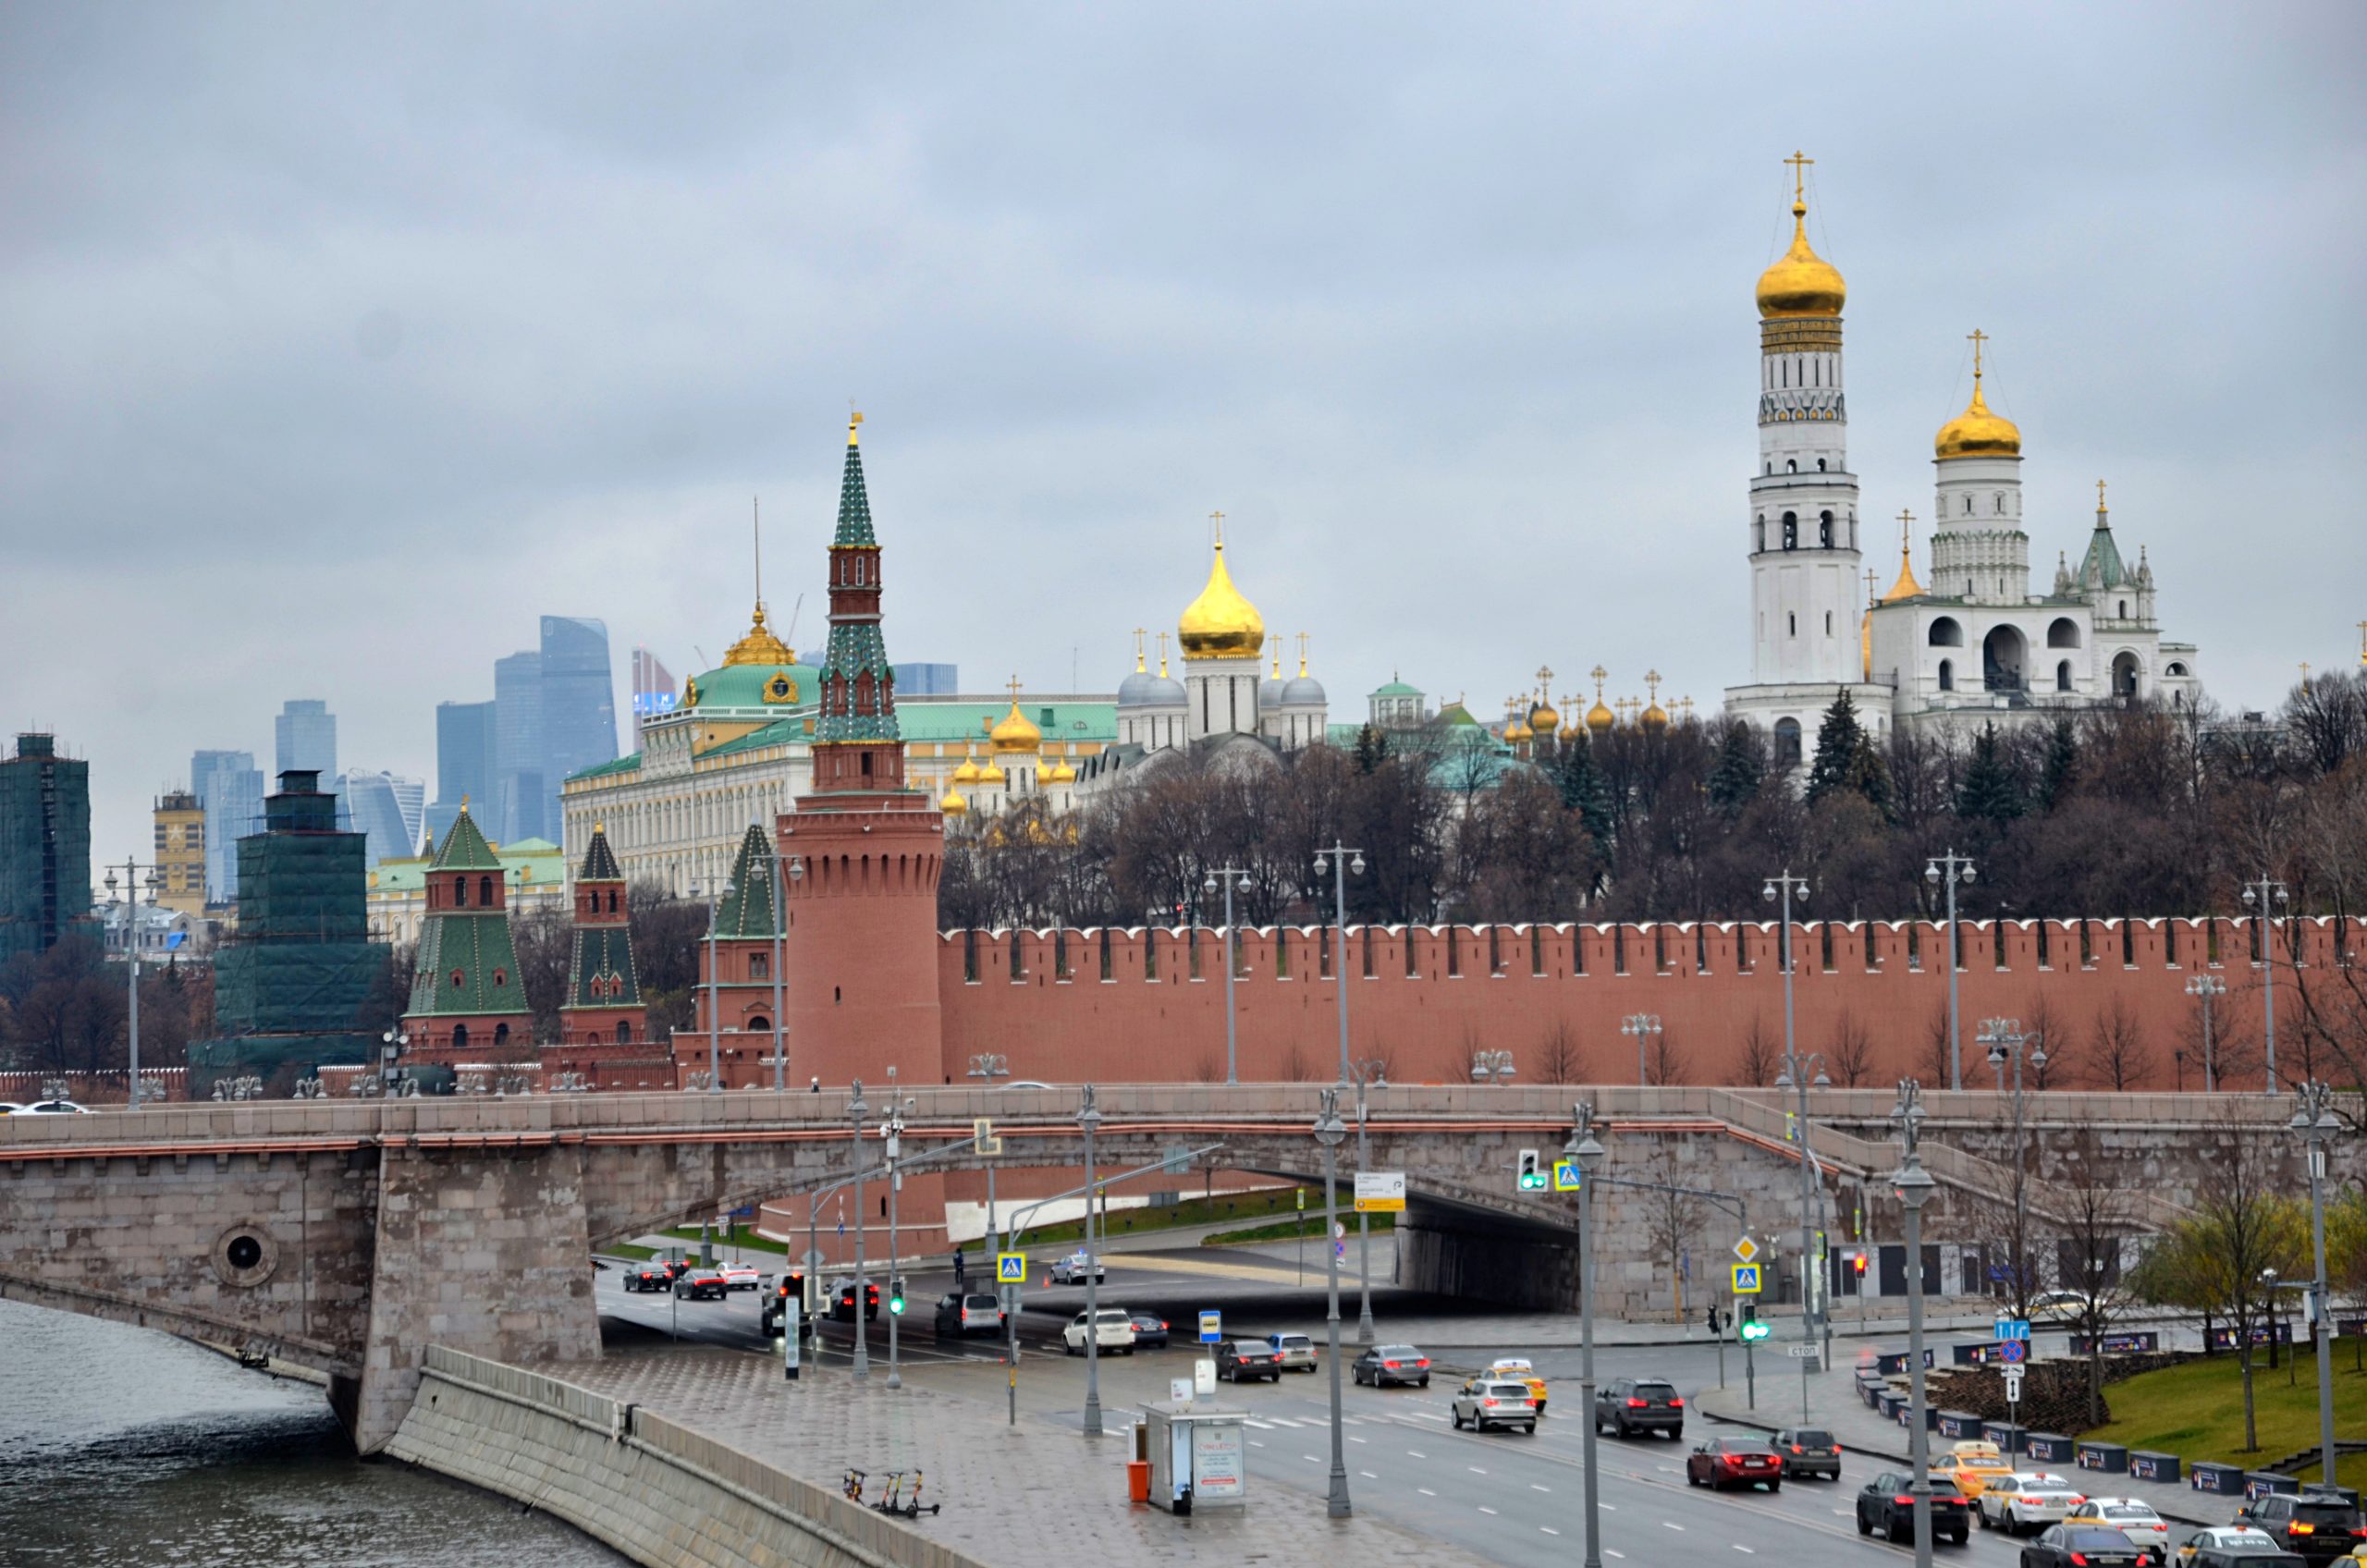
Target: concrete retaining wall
(660,1493)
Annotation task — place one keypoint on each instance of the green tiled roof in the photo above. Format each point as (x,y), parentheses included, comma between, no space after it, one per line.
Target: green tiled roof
(599,860)
(926,720)
(623,764)
(2103,556)
(1397,689)
(603,953)
(744,686)
(474,945)
(529,861)
(464,848)
(854,502)
(747,907)
(780,732)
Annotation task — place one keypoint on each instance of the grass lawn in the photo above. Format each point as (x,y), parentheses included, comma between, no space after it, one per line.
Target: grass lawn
(1282,1231)
(1191,1212)
(2196,1410)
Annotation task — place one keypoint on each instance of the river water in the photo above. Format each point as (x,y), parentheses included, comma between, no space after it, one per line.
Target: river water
(120,1448)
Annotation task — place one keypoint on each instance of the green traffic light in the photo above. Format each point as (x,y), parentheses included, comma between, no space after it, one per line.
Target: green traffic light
(1755,1330)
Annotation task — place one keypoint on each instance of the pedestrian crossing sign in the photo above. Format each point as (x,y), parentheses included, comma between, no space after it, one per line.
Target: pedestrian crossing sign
(1746,1279)
(1011,1268)
(1567,1177)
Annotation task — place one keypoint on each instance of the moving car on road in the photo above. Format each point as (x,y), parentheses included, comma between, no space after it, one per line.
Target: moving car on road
(1384,1365)
(701,1281)
(969,1311)
(655,1274)
(1239,1359)
(55,1107)
(2133,1517)
(1073,1269)
(1150,1332)
(842,1300)
(1720,1463)
(1296,1350)
(1885,1508)
(1629,1405)
(1518,1369)
(740,1277)
(2221,1539)
(2081,1546)
(1112,1328)
(1809,1450)
(2318,1526)
(2024,1501)
(1495,1402)
(1972,1467)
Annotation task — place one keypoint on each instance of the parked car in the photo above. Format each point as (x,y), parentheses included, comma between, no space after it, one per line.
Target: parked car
(2081,1546)
(1383,1365)
(1239,1359)
(969,1311)
(1112,1328)
(1809,1450)
(701,1283)
(2268,1554)
(2024,1501)
(1073,1269)
(1629,1405)
(2312,1526)
(1518,1369)
(741,1277)
(1297,1350)
(2131,1516)
(1495,1402)
(2222,1539)
(1720,1463)
(1150,1332)
(1885,1508)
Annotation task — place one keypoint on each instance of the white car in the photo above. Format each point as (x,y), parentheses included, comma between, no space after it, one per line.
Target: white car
(1072,1270)
(2025,1501)
(1113,1330)
(2133,1517)
(9,1107)
(56,1108)
(741,1277)
(2222,1536)
(2063,1306)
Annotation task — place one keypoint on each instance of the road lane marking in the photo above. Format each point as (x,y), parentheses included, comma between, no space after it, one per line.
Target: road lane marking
(1284,1421)
(1620,1555)
(1670,1525)
(1261,1426)
(1426,1491)
(1485,1509)
(1310,1459)
(1535,1488)
(1475,1469)
(1748,1550)
(1361,1440)
(1412,1454)
(1549,1530)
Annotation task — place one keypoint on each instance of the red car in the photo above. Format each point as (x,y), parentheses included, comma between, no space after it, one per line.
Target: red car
(1720,1463)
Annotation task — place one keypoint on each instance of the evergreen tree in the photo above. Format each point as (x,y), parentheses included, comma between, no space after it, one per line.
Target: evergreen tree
(2061,769)
(1372,746)
(1837,740)
(1989,791)
(1741,767)
(1869,774)
(1584,789)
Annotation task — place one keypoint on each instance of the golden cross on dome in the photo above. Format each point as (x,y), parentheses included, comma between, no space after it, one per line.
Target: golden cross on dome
(1218,517)
(1012,687)
(1869,585)
(1977,337)
(1139,634)
(2100,495)
(1652,680)
(1906,526)
(1600,675)
(2305,678)
(1799,161)
(1302,653)
(1544,681)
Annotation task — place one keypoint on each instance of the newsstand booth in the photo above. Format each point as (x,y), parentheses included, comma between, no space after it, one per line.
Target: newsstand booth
(1198,1456)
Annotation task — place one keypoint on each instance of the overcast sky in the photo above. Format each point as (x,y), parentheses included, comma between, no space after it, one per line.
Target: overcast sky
(343,341)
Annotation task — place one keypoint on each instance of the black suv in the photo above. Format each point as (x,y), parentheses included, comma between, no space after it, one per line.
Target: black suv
(1809,1450)
(1629,1405)
(2316,1526)
(1885,1508)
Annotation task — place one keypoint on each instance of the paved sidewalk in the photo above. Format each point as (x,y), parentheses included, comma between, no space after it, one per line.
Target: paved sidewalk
(1832,1403)
(1015,1496)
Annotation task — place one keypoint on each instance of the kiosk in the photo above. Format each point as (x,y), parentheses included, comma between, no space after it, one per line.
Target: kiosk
(1198,1456)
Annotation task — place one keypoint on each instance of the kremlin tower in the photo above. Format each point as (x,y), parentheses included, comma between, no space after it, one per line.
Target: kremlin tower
(603,1004)
(468,1004)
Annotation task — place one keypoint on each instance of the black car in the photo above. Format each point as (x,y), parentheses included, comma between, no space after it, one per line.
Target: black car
(1809,1450)
(843,1302)
(656,1274)
(1885,1508)
(1149,1329)
(701,1281)
(1240,1359)
(1629,1405)
(2315,1526)
(1384,1365)
(2083,1546)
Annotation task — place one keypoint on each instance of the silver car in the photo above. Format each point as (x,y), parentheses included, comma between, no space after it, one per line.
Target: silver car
(1296,1352)
(1487,1402)
(2025,1503)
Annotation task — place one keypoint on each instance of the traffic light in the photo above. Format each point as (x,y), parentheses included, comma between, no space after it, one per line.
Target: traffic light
(896,1296)
(1532,1177)
(1857,1262)
(1717,1319)
(1751,1328)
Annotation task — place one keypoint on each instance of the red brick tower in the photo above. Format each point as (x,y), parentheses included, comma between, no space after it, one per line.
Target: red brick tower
(602,1006)
(860,956)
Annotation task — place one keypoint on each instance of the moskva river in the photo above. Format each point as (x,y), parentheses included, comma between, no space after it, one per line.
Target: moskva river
(120,1448)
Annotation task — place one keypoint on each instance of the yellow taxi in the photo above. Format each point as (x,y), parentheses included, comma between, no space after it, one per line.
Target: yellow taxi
(1971,1466)
(1517,1368)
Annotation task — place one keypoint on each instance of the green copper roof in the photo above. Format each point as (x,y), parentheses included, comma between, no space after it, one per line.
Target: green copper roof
(1455,712)
(925,718)
(2103,556)
(774,687)
(747,907)
(464,848)
(623,764)
(854,502)
(601,972)
(856,647)
(529,863)
(474,946)
(780,732)
(1397,689)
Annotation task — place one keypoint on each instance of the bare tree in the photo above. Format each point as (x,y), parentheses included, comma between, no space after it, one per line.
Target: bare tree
(1666,1063)
(1852,1049)
(1557,1056)
(2095,1215)
(2120,1057)
(1938,1058)
(1673,1222)
(1762,1053)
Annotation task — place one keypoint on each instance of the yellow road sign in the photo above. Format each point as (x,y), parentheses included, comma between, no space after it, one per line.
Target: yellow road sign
(1746,1250)
(1746,1279)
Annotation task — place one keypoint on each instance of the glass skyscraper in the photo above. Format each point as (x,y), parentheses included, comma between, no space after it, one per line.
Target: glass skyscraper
(229,786)
(579,705)
(517,747)
(306,733)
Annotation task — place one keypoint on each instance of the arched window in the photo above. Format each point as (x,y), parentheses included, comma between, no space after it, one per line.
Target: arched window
(2063,675)
(1824,530)
(484,891)
(457,977)
(1819,465)
(624,1032)
(501,1033)
(459,892)
(1968,506)
(760,966)
(2175,672)
(1947,675)
(2000,500)
(862,571)
(1791,465)
(460,1037)
(1762,531)
(1791,530)
(757,1023)
(1787,743)
(1946,633)
(2123,609)
(2063,632)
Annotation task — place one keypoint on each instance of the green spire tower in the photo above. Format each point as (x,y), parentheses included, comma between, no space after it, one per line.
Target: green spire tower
(467,1002)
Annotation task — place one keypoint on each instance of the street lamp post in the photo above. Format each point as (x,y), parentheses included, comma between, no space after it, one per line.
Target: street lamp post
(1492,1067)
(1913,1184)
(1795,1075)
(1329,1132)
(391,1045)
(1641,1026)
(2005,1037)
(1089,1118)
(1951,868)
(1784,884)
(1583,1148)
(795,868)
(2268,896)
(1228,876)
(132,886)
(2205,988)
(2314,1120)
(856,1111)
(1368,1073)
(891,1132)
(1341,865)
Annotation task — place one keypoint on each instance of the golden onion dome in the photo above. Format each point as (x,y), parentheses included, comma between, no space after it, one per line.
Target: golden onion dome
(1015,734)
(1655,718)
(1977,433)
(1802,283)
(954,804)
(990,774)
(1600,718)
(1220,623)
(1542,719)
(760,646)
(968,772)
(1060,772)
(1517,730)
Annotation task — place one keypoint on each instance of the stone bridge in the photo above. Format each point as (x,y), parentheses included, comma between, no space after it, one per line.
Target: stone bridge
(347,1235)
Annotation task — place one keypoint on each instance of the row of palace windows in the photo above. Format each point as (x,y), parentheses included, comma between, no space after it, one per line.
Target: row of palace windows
(1792,465)
(1825,528)
(1947,632)
(1783,372)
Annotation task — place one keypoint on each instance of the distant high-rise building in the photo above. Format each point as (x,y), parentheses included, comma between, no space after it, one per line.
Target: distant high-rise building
(180,852)
(464,763)
(655,691)
(927,680)
(388,809)
(45,846)
(306,732)
(579,705)
(516,811)
(230,787)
